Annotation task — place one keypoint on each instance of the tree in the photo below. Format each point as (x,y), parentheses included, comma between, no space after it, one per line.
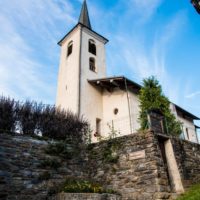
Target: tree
(152,98)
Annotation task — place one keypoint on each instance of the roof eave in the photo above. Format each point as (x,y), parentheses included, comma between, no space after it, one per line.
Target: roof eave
(186,113)
(60,42)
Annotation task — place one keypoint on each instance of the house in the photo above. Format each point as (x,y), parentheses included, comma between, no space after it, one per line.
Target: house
(108,103)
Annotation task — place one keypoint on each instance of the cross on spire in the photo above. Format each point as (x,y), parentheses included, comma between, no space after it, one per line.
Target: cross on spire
(84,16)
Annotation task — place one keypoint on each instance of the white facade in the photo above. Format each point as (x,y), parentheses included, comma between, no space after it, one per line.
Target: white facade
(189,131)
(74,93)
(105,110)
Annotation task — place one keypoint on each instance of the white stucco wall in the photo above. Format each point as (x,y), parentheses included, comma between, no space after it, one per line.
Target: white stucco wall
(186,124)
(91,105)
(68,77)
(97,103)
(120,121)
(191,129)
(134,110)
(70,72)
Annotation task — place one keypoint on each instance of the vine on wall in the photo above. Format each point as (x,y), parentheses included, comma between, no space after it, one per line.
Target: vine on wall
(152,98)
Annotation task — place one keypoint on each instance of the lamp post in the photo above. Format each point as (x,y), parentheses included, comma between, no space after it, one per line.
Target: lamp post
(196,4)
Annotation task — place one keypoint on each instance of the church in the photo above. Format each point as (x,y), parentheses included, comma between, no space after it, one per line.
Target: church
(108,103)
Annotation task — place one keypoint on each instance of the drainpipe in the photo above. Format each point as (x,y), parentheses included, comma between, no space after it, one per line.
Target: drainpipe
(80,62)
(128,105)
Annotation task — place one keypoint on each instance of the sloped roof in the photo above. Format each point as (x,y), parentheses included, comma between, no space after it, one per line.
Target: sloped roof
(122,82)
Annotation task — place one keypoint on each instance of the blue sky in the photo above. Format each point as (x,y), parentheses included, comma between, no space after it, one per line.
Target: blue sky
(147,37)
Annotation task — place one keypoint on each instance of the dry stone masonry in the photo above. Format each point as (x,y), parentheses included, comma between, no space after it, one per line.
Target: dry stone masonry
(131,165)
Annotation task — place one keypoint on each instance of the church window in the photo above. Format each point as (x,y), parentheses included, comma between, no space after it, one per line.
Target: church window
(69,48)
(92,64)
(92,47)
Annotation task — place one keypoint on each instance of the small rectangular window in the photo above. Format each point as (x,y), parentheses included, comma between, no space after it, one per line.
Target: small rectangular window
(69,51)
(98,126)
(69,48)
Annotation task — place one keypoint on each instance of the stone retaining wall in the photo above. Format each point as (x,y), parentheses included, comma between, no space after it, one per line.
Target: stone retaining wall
(21,173)
(83,196)
(188,160)
(139,172)
(131,165)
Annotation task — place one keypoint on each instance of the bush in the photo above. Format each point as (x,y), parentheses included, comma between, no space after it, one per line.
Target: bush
(7,114)
(83,186)
(62,149)
(152,98)
(32,118)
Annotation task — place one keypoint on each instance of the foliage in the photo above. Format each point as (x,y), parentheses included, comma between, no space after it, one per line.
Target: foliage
(50,163)
(113,133)
(152,98)
(7,114)
(192,194)
(31,118)
(62,149)
(109,152)
(83,186)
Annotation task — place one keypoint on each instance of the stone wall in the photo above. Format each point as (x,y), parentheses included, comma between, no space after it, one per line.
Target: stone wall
(131,165)
(188,159)
(86,196)
(139,172)
(21,173)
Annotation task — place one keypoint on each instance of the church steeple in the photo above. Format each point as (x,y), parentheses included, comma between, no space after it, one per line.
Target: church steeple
(84,16)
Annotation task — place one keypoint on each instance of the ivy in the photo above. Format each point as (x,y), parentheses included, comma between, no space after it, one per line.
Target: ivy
(152,98)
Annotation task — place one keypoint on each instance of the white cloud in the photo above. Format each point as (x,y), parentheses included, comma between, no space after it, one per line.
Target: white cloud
(192,95)
(28,37)
(144,59)
(145,8)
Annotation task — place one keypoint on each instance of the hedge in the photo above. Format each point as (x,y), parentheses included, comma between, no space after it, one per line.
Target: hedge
(33,119)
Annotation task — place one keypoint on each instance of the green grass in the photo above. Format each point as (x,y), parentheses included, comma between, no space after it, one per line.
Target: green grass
(192,194)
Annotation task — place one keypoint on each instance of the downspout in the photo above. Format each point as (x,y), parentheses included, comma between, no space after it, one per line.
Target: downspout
(80,63)
(128,105)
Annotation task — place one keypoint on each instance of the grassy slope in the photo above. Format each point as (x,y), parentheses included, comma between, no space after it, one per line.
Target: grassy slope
(192,194)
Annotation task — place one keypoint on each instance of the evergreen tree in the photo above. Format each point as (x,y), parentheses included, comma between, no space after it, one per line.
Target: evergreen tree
(152,98)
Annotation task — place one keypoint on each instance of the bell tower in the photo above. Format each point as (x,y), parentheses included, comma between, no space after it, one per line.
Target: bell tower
(82,58)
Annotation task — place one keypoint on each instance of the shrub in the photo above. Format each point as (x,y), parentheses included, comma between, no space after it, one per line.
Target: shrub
(7,114)
(62,149)
(83,186)
(31,118)
(152,98)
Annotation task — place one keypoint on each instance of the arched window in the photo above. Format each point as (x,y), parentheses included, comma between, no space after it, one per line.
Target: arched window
(92,47)
(69,48)
(92,64)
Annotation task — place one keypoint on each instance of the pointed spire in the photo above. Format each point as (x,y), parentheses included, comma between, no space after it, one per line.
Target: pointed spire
(84,16)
